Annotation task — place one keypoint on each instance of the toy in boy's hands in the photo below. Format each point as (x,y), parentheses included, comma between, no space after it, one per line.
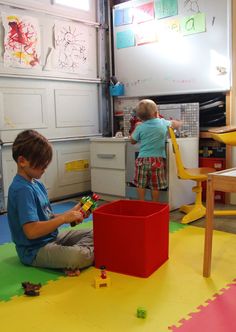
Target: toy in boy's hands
(88,204)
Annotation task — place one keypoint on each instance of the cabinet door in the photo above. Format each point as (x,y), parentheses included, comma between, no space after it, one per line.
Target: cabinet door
(108,181)
(108,155)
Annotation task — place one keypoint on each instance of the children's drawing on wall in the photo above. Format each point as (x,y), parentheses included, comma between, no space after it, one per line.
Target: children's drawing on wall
(144,13)
(21,42)
(146,33)
(169,32)
(165,8)
(192,5)
(71,47)
(193,24)
(123,16)
(125,39)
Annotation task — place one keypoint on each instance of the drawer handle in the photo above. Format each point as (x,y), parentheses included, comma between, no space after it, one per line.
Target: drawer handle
(106,155)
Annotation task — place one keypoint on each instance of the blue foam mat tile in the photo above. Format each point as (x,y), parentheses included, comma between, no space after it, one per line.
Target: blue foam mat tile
(5,234)
(62,207)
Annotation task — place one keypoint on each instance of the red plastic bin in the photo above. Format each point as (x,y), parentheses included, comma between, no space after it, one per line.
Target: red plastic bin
(131,237)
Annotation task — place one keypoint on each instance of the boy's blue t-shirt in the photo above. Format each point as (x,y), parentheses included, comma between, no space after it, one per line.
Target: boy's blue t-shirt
(28,202)
(152,137)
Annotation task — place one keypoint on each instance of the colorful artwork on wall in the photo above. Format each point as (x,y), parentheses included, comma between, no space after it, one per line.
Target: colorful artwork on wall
(21,42)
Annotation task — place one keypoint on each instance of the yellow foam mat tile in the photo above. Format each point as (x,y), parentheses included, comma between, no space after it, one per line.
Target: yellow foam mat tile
(173,291)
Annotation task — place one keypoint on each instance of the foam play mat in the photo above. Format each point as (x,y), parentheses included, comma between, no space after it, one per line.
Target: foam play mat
(175,297)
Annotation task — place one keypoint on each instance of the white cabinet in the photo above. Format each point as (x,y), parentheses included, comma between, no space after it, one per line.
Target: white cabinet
(108,167)
(112,170)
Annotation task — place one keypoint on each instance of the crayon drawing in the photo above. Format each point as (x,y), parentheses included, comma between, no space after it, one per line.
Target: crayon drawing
(21,42)
(71,47)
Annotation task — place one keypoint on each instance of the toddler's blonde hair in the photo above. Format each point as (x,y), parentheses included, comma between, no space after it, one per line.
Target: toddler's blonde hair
(146,109)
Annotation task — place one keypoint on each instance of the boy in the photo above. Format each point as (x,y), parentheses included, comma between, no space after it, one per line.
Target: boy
(150,164)
(33,225)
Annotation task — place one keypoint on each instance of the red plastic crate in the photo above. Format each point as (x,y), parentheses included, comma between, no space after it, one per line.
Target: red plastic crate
(218,164)
(131,237)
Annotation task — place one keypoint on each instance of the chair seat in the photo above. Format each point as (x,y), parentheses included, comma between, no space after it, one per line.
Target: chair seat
(226,138)
(199,174)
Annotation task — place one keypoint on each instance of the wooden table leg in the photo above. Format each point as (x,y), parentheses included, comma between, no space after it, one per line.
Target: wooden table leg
(208,228)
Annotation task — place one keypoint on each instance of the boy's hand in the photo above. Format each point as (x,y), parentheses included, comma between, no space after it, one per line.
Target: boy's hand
(77,207)
(73,216)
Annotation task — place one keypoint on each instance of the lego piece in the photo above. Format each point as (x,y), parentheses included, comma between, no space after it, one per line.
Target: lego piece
(103,272)
(31,289)
(99,282)
(88,204)
(103,280)
(141,312)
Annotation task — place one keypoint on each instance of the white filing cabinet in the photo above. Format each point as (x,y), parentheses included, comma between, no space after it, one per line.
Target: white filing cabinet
(112,167)
(108,167)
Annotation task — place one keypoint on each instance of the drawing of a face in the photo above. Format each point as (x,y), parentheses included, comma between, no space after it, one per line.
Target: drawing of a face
(192,5)
(72,46)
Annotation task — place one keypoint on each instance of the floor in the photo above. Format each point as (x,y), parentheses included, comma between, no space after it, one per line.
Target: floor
(176,297)
(224,223)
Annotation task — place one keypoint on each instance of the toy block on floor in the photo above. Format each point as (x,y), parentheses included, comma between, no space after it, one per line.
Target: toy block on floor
(100,282)
(103,280)
(141,312)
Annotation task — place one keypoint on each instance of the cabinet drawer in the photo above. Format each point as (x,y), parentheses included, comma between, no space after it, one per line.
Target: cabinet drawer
(108,181)
(108,154)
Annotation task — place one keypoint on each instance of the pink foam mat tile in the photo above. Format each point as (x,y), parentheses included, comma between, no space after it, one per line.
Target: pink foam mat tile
(217,314)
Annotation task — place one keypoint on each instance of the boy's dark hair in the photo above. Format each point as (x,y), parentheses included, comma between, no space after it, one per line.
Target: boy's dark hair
(34,147)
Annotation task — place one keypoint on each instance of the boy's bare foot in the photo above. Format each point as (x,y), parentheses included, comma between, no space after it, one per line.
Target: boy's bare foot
(72,273)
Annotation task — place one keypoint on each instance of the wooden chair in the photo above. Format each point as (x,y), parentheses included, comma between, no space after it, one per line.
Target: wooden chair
(197,210)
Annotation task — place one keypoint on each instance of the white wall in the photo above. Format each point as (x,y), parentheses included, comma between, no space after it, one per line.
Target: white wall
(62,106)
(56,109)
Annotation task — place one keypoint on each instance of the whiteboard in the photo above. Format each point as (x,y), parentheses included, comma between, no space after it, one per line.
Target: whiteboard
(176,63)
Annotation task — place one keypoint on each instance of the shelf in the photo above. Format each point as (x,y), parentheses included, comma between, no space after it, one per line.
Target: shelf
(205,134)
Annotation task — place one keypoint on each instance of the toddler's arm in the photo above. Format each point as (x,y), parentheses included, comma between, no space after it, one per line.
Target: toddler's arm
(176,124)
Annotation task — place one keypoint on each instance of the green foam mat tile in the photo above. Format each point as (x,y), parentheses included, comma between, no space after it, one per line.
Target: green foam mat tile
(13,273)
(175,226)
